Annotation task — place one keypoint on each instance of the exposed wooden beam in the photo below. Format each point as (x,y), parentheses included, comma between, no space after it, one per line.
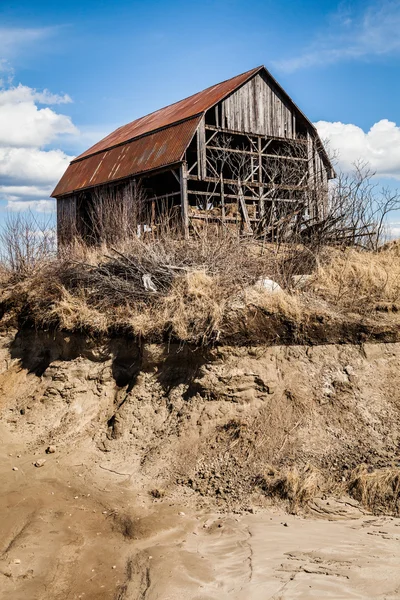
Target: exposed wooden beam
(236,197)
(250,184)
(251,153)
(255,135)
(177,177)
(184,199)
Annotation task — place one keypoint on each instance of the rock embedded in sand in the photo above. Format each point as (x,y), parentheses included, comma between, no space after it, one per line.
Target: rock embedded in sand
(50,449)
(39,463)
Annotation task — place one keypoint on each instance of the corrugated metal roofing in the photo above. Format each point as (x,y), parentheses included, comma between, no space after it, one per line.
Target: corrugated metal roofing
(156,140)
(153,151)
(179,111)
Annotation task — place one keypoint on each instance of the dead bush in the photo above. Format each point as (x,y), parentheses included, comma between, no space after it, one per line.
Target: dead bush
(296,486)
(377,490)
(26,243)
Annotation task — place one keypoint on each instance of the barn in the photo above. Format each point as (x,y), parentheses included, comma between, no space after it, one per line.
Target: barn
(239,154)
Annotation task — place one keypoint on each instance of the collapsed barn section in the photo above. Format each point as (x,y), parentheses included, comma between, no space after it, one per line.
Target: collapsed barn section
(239,154)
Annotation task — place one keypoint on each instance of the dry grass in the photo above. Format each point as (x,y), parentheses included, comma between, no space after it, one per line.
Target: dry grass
(296,486)
(204,286)
(359,280)
(377,490)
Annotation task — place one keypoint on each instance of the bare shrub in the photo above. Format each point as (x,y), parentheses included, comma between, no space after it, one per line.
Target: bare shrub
(25,243)
(116,213)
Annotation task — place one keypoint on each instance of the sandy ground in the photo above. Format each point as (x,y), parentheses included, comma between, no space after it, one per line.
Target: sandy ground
(70,531)
(84,525)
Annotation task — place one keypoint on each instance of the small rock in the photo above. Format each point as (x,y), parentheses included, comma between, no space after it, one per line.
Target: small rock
(50,449)
(22,411)
(285,524)
(114,566)
(15,468)
(269,285)
(17,561)
(40,462)
(181,514)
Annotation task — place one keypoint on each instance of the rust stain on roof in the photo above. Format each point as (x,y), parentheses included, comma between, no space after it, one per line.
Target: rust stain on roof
(153,151)
(179,111)
(154,141)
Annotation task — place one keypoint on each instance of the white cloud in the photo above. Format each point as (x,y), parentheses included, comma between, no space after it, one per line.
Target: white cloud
(30,166)
(22,123)
(28,170)
(394,230)
(380,146)
(25,197)
(40,206)
(348,36)
(24,94)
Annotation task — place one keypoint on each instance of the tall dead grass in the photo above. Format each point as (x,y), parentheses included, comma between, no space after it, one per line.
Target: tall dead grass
(196,289)
(296,486)
(377,490)
(359,280)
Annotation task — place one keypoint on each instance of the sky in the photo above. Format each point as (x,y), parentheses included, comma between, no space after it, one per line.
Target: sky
(72,71)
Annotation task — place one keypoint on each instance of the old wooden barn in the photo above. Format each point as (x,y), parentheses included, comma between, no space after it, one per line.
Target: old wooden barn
(240,154)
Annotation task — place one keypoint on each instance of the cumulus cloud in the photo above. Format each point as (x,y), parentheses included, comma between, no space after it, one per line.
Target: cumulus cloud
(32,165)
(380,146)
(28,170)
(23,123)
(350,35)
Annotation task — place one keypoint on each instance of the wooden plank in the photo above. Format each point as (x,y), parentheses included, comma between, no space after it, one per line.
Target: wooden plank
(251,184)
(254,153)
(264,136)
(66,219)
(261,208)
(222,198)
(201,149)
(184,199)
(244,211)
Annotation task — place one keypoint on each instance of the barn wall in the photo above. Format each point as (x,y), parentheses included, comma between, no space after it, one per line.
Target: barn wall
(257,108)
(66,220)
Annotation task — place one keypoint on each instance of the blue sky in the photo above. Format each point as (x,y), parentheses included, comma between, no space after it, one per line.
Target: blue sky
(106,63)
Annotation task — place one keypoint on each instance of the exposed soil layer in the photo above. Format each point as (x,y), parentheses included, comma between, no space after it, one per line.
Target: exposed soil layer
(137,435)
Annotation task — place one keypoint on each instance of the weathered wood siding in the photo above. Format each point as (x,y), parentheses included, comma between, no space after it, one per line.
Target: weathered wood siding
(66,220)
(257,108)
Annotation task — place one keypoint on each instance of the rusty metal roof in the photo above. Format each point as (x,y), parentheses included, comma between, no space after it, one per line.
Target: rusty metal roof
(179,111)
(151,142)
(153,151)
(154,141)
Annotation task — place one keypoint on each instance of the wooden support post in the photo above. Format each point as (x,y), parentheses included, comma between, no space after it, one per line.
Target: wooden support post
(184,199)
(261,206)
(311,177)
(244,211)
(222,199)
(201,150)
